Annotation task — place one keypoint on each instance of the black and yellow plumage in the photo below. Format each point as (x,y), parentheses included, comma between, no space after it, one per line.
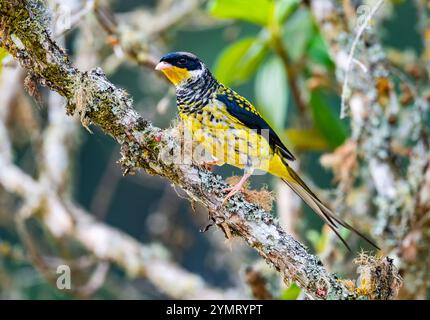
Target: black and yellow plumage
(230,128)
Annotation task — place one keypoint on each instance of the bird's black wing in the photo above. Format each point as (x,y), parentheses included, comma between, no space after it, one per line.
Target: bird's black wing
(245,112)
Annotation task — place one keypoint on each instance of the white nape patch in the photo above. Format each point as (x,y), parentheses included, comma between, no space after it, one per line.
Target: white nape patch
(195,74)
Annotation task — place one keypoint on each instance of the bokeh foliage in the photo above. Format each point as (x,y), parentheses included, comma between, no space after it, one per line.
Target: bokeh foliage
(288,39)
(284,40)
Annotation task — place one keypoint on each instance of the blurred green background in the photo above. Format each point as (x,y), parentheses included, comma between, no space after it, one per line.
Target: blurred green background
(244,55)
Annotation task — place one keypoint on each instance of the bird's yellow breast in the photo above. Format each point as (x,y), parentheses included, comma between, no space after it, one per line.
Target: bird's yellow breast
(225,138)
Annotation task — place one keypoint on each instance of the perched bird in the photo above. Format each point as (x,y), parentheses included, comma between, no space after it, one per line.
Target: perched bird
(231,130)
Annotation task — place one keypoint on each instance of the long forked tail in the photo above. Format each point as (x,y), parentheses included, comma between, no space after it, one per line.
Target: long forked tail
(301,189)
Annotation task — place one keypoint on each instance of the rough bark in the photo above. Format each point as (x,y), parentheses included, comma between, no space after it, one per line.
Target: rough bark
(382,119)
(25,35)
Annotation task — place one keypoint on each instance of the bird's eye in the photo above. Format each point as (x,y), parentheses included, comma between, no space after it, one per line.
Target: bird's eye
(182,61)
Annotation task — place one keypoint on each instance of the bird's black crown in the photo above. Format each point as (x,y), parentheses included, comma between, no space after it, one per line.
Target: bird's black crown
(183,60)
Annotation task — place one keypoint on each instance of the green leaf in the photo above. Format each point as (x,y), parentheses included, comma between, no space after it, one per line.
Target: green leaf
(283,9)
(271,90)
(318,51)
(255,11)
(292,293)
(306,139)
(314,237)
(297,33)
(239,61)
(3,54)
(326,120)
(319,240)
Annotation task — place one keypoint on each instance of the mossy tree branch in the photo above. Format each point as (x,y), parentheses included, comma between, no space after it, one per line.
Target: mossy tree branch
(377,115)
(23,27)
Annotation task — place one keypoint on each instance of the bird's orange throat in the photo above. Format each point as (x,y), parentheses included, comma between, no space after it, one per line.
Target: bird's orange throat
(176,75)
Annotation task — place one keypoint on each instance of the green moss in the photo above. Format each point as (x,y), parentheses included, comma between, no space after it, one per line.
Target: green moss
(3,54)
(26,23)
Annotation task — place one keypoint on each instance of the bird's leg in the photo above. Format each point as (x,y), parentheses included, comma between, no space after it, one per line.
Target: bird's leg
(236,188)
(212,162)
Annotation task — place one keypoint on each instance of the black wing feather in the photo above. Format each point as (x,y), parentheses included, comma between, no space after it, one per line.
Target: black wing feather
(254,121)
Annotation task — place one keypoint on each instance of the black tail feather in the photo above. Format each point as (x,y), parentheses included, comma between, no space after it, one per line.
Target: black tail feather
(301,189)
(349,227)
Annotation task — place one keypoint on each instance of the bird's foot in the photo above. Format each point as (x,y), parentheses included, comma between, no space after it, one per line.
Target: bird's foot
(235,189)
(210,163)
(231,192)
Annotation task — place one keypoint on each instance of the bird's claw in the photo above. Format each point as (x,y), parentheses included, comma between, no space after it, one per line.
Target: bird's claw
(236,188)
(230,189)
(231,192)
(210,163)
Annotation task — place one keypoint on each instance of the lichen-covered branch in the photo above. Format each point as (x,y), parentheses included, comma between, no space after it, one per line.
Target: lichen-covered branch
(100,102)
(133,39)
(383,122)
(90,94)
(45,200)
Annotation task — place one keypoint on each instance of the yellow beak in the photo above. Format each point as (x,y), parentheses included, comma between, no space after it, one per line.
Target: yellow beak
(174,74)
(163,66)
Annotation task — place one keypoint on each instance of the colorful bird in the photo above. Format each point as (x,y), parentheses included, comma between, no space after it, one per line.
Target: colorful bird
(232,131)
